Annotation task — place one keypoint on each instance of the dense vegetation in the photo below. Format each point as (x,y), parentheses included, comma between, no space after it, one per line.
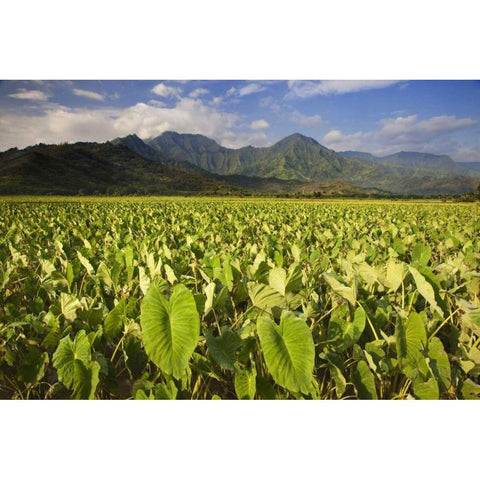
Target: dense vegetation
(239,299)
(96,168)
(183,164)
(303,159)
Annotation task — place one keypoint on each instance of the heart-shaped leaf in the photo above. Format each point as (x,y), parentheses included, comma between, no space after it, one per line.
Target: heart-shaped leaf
(288,350)
(170,328)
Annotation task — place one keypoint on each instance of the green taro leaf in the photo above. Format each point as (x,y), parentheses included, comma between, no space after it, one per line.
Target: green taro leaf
(265,297)
(364,381)
(134,356)
(425,289)
(340,289)
(67,352)
(410,337)
(395,274)
(245,384)
(338,378)
(421,253)
(426,390)
(170,274)
(104,274)
(33,367)
(85,380)
(68,305)
(84,261)
(115,320)
(223,348)
(210,294)
(439,362)
(166,392)
(470,390)
(170,328)
(265,389)
(346,331)
(277,279)
(288,350)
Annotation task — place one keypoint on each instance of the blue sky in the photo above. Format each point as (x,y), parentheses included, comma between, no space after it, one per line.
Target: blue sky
(381,117)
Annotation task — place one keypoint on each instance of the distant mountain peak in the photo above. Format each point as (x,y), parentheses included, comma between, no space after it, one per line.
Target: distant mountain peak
(300,137)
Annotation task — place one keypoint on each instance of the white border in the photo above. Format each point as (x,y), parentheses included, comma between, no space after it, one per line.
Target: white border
(213,39)
(252,39)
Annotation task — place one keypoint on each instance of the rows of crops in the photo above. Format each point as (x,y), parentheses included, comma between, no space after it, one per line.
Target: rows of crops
(195,299)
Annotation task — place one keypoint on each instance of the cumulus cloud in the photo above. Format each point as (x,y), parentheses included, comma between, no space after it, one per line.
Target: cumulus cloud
(241,139)
(403,133)
(88,94)
(163,90)
(311,88)
(58,123)
(198,92)
(24,94)
(259,124)
(306,120)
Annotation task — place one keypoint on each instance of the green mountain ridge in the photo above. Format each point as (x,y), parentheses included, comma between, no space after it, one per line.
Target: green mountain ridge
(96,168)
(174,163)
(441,164)
(303,159)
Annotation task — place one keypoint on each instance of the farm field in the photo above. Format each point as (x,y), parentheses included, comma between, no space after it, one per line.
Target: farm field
(198,298)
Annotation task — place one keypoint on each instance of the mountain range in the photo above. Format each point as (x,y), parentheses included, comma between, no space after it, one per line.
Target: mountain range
(174,163)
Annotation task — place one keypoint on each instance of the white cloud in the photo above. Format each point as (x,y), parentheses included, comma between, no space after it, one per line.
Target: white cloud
(24,94)
(310,88)
(404,133)
(198,92)
(306,120)
(57,124)
(241,139)
(88,94)
(250,89)
(163,90)
(259,124)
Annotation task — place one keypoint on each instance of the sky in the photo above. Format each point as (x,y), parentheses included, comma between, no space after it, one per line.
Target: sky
(376,116)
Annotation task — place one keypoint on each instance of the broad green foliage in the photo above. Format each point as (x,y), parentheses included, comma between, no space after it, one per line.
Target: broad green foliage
(289,351)
(115,320)
(76,371)
(252,299)
(223,348)
(245,385)
(364,381)
(170,329)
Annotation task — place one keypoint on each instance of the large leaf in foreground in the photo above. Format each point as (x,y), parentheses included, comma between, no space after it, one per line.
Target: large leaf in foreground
(170,328)
(67,352)
(288,350)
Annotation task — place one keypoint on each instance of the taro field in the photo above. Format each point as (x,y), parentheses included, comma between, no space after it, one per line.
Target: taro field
(238,299)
